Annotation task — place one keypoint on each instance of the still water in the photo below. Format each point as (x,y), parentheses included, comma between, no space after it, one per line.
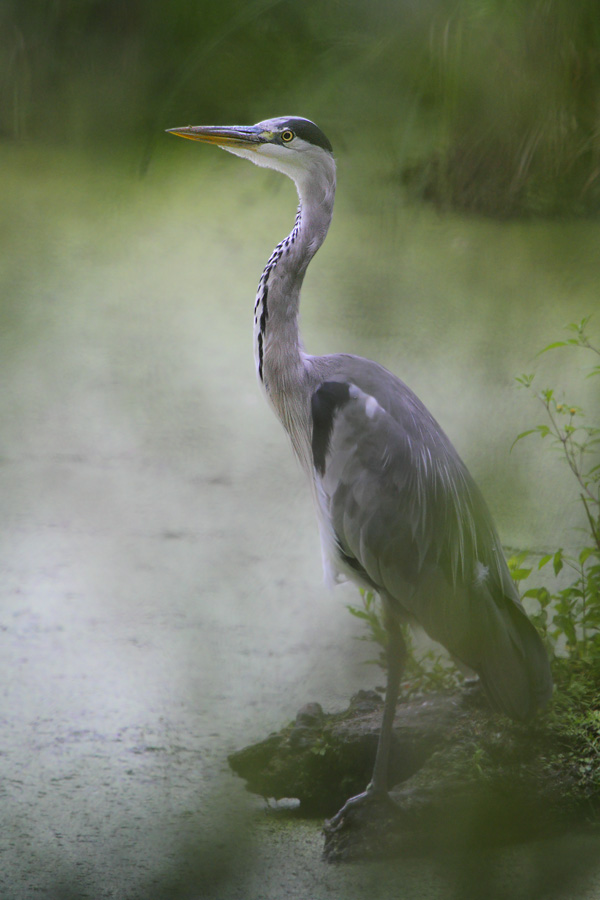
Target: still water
(161,586)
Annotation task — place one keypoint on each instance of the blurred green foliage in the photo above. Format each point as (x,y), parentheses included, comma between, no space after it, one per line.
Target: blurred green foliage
(517,99)
(481,105)
(569,610)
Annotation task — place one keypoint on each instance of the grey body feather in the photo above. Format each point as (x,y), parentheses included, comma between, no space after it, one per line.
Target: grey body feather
(410,522)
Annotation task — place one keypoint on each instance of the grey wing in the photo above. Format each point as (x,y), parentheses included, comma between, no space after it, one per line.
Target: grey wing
(401,503)
(408,519)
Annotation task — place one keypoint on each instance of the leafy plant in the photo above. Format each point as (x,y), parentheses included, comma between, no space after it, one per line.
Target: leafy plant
(569,616)
(370,613)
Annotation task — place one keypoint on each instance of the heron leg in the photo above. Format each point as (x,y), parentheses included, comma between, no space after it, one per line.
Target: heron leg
(396,657)
(376,797)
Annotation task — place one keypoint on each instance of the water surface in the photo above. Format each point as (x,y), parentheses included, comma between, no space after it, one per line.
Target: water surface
(162,600)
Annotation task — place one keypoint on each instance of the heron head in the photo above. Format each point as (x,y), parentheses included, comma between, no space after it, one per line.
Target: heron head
(289,144)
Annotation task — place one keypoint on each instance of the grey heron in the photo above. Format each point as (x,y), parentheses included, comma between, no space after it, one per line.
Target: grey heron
(398,511)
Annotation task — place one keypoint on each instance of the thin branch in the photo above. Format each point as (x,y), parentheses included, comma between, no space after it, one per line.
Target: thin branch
(564,439)
(592,523)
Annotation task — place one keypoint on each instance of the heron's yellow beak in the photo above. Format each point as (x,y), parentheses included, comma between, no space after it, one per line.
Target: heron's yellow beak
(224,136)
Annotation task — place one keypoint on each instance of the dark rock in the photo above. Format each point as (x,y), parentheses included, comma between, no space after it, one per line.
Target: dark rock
(310,716)
(461,773)
(322,759)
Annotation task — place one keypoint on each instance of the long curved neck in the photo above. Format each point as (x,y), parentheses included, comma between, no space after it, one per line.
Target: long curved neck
(277,344)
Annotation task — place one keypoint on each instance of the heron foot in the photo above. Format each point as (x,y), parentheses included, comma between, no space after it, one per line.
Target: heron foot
(370,800)
(360,827)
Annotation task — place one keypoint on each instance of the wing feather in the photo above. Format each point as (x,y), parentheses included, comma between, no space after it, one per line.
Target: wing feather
(409,519)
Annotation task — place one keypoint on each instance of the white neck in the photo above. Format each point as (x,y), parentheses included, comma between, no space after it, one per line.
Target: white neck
(277,344)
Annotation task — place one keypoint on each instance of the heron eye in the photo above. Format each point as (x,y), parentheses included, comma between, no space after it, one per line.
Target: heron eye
(287,136)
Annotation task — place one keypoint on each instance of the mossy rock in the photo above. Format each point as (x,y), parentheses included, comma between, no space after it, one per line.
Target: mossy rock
(460,773)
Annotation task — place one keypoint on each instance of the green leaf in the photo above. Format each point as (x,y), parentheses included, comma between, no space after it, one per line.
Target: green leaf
(541,594)
(585,554)
(359,613)
(579,327)
(552,346)
(515,561)
(544,597)
(517,571)
(522,435)
(545,559)
(517,558)
(558,561)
